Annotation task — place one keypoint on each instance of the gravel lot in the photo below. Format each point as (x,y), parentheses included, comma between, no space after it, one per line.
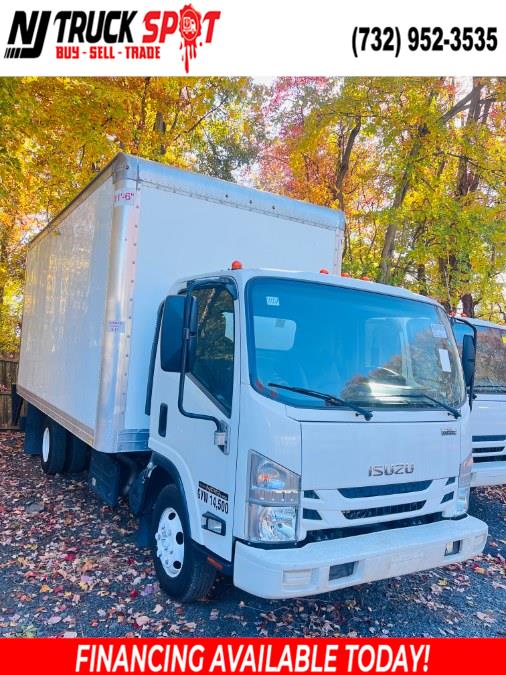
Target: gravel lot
(69,566)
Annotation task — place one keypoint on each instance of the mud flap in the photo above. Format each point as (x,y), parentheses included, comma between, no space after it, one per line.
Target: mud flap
(137,503)
(33,431)
(104,477)
(137,492)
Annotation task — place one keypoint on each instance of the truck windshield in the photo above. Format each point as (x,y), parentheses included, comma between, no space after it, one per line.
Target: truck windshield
(490,375)
(367,348)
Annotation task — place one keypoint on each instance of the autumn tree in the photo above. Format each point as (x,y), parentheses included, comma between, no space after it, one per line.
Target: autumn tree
(418,166)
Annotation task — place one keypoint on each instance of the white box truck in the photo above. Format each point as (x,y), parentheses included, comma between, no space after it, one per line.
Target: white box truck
(488,417)
(297,430)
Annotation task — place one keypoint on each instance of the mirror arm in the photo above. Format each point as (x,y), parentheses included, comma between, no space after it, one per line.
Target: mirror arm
(221,428)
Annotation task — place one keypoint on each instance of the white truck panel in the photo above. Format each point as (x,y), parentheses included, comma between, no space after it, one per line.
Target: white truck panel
(65,294)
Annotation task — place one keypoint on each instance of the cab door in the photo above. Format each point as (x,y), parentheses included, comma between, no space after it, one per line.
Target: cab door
(211,388)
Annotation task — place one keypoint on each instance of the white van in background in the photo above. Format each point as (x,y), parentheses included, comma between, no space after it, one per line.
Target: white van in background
(488,418)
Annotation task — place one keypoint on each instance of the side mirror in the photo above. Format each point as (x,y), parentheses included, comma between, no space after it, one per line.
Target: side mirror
(171,333)
(468,359)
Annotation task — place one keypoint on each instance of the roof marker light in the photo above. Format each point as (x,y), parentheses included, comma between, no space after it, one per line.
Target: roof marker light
(236,265)
(324,270)
(346,275)
(366,278)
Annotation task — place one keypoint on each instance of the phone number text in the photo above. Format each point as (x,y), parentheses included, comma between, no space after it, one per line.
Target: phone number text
(425,39)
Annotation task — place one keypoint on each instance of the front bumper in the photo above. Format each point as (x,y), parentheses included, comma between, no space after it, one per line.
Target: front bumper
(289,573)
(488,473)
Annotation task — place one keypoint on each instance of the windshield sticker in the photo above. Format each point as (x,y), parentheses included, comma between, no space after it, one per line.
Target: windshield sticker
(444,357)
(272,300)
(438,330)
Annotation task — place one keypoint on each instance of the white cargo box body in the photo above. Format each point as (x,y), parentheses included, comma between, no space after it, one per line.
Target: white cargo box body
(97,274)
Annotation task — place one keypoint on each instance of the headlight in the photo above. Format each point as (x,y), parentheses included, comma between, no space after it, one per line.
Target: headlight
(273,501)
(464,486)
(272,523)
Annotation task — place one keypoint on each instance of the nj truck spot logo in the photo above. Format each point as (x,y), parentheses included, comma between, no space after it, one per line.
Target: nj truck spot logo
(125,35)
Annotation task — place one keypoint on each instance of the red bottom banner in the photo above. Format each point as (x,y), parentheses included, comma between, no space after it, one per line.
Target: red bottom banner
(62,656)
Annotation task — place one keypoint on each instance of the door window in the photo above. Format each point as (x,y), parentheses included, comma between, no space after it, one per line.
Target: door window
(213,368)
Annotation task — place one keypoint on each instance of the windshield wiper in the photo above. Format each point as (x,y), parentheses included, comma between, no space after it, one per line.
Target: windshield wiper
(501,387)
(329,398)
(451,410)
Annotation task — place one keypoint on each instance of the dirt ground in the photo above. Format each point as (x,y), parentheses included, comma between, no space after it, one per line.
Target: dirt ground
(69,567)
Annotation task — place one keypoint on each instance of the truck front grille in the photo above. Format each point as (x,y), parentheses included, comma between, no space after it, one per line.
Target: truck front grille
(310,514)
(483,450)
(496,458)
(378,511)
(382,490)
(482,439)
(343,532)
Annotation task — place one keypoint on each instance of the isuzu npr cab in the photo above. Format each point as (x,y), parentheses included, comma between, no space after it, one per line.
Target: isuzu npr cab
(299,431)
(488,418)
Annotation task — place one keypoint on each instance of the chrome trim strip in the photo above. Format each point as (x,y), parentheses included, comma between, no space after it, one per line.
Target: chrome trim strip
(130,440)
(117,325)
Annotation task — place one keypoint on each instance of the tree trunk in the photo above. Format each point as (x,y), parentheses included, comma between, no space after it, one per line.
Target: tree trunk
(344,164)
(459,269)
(387,253)
(341,173)
(467,305)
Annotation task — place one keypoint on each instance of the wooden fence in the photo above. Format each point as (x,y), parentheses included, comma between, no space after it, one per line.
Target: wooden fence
(8,376)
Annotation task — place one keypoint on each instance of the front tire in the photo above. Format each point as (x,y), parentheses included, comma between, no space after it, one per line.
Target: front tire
(183,572)
(53,447)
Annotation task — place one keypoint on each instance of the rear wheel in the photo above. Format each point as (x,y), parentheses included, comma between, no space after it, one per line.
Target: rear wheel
(77,455)
(182,571)
(53,447)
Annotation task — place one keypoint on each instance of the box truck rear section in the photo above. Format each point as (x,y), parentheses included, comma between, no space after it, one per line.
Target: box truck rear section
(488,418)
(251,417)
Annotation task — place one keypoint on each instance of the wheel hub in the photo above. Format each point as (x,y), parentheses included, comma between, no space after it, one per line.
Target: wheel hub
(170,542)
(45,444)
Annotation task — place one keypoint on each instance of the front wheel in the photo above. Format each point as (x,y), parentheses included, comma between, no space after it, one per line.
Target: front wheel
(183,572)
